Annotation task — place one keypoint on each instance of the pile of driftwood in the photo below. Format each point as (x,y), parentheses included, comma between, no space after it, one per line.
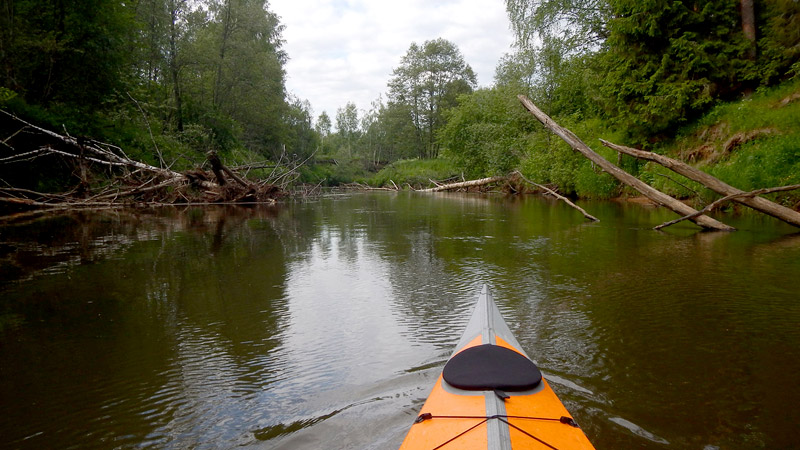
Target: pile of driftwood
(729,193)
(126,181)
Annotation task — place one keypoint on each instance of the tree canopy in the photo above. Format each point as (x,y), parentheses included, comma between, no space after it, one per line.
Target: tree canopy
(428,81)
(656,63)
(205,74)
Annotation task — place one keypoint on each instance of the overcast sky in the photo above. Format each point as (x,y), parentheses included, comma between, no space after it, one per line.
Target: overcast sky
(345,50)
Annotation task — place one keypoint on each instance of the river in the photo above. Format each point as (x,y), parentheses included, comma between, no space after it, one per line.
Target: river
(324,323)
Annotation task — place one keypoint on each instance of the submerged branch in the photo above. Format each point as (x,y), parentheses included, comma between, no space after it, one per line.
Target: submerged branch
(734,197)
(558,196)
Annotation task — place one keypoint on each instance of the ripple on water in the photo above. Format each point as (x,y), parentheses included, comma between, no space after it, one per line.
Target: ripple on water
(637,430)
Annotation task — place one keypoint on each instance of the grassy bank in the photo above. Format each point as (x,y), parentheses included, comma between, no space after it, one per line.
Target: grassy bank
(415,172)
(750,144)
(407,172)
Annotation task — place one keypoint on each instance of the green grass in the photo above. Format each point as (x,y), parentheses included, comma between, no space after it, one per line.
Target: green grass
(342,172)
(414,172)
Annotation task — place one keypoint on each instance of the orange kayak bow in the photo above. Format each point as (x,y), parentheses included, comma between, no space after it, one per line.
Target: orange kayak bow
(491,395)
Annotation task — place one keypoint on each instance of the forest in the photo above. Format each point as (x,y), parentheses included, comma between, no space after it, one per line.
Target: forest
(713,83)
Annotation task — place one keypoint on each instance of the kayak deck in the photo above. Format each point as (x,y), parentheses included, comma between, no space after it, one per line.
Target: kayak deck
(504,409)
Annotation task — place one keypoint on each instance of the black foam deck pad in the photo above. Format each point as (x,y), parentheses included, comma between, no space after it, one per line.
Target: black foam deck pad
(489,367)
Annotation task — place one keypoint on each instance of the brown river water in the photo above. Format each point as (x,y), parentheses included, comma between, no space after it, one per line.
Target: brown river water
(323,324)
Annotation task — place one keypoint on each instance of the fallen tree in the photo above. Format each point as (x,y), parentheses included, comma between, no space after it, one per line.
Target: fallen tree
(465,184)
(646,190)
(496,179)
(761,204)
(126,180)
(734,197)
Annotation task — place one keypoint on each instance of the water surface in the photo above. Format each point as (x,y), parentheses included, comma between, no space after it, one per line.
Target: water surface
(324,324)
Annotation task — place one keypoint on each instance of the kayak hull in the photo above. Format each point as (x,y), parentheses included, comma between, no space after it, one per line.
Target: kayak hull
(486,418)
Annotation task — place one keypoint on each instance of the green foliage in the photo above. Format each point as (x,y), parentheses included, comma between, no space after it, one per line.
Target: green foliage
(323,125)
(551,164)
(779,45)
(668,61)
(347,128)
(415,172)
(647,66)
(485,134)
(64,55)
(550,160)
(592,183)
(6,95)
(210,69)
(769,162)
(169,80)
(346,171)
(301,137)
(762,110)
(579,23)
(673,184)
(396,134)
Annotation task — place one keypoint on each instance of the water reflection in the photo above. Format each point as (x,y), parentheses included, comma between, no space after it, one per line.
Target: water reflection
(323,324)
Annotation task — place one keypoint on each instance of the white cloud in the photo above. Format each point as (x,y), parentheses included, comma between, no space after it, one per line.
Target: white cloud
(345,50)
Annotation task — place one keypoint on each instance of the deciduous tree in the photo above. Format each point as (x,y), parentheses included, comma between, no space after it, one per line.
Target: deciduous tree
(428,81)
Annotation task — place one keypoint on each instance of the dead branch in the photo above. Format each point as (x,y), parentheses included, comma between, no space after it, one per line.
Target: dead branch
(434,182)
(149,130)
(647,190)
(29,202)
(26,192)
(753,201)
(101,151)
(27,156)
(137,190)
(558,196)
(697,194)
(734,197)
(283,180)
(218,168)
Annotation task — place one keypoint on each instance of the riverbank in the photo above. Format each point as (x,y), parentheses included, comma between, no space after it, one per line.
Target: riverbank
(750,143)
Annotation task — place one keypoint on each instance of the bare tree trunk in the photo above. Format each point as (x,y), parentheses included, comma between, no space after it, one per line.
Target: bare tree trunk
(218,168)
(174,9)
(758,203)
(749,25)
(227,28)
(651,193)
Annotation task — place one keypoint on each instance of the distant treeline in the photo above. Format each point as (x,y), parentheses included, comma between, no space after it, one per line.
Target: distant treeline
(190,76)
